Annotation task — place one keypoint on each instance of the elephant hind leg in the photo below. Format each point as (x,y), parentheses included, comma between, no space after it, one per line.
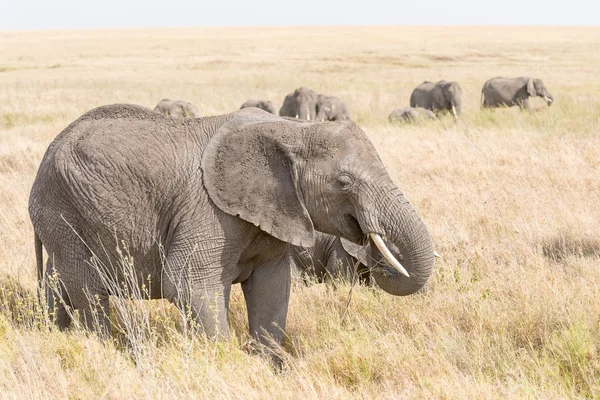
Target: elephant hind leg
(95,314)
(81,284)
(57,298)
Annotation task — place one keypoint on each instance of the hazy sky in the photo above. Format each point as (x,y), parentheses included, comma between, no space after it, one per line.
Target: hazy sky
(66,14)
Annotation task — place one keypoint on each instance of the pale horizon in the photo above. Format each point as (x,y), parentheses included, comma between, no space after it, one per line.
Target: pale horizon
(112,14)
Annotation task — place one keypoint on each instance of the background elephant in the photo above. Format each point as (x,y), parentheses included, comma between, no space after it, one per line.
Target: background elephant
(410,114)
(177,109)
(331,257)
(330,108)
(301,104)
(508,92)
(242,189)
(262,104)
(438,97)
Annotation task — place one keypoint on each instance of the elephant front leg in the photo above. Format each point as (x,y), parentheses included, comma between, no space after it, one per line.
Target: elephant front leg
(524,105)
(267,294)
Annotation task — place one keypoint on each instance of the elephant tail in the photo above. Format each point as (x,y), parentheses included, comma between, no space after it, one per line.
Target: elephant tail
(39,260)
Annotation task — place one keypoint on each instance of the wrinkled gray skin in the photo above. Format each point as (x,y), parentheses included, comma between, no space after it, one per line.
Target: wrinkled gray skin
(331,108)
(410,114)
(439,97)
(177,109)
(331,257)
(221,199)
(262,104)
(301,104)
(509,92)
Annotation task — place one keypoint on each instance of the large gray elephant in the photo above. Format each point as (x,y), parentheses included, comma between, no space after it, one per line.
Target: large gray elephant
(442,96)
(331,108)
(302,104)
(262,104)
(201,204)
(410,114)
(508,92)
(177,109)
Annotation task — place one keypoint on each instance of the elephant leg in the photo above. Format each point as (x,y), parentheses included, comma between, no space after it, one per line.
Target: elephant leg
(80,280)
(267,294)
(94,313)
(57,299)
(209,308)
(201,296)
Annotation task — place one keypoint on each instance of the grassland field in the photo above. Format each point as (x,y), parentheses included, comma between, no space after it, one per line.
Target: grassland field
(511,199)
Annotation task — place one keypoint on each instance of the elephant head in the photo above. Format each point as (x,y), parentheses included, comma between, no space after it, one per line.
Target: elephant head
(262,104)
(292,179)
(331,108)
(301,104)
(177,109)
(453,96)
(535,87)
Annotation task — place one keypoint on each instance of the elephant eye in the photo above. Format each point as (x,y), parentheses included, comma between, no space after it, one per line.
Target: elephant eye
(345,181)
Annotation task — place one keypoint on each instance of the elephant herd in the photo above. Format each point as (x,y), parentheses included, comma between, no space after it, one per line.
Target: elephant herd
(428,100)
(205,203)
(303,104)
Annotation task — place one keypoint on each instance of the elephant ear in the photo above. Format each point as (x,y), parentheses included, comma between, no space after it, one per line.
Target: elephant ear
(250,172)
(531,88)
(356,250)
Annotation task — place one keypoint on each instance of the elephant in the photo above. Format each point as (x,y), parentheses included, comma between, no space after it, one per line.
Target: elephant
(262,104)
(443,96)
(177,109)
(202,204)
(410,114)
(509,92)
(334,259)
(330,108)
(301,104)
(331,257)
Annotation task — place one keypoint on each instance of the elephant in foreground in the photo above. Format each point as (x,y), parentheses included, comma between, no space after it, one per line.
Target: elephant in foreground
(302,104)
(442,96)
(202,204)
(509,92)
(331,108)
(410,114)
(177,109)
(262,104)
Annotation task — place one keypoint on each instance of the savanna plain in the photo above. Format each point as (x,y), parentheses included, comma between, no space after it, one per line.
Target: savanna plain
(511,199)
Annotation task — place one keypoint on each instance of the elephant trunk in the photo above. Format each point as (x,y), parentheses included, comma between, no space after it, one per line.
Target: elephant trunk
(407,236)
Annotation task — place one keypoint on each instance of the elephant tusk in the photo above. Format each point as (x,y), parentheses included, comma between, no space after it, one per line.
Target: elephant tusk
(435,254)
(388,254)
(454,112)
(548,99)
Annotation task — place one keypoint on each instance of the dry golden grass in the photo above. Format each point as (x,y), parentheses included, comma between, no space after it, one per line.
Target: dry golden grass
(511,199)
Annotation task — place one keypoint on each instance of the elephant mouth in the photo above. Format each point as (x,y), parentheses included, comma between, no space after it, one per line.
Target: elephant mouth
(352,228)
(387,254)
(355,233)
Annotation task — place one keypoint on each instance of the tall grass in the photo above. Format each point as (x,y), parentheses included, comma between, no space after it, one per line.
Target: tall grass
(510,199)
